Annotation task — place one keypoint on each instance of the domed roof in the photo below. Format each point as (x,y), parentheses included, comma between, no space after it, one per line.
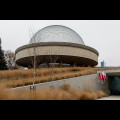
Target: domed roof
(57,33)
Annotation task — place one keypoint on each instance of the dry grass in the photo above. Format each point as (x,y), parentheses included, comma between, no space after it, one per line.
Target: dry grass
(16,74)
(65,86)
(49,94)
(16,78)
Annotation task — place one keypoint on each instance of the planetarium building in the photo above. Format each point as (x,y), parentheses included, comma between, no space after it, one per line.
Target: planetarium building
(57,44)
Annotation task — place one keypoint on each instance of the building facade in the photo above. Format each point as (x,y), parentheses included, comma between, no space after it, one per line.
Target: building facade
(56,44)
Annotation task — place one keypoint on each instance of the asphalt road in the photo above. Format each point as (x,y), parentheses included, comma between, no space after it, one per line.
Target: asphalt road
(113,97)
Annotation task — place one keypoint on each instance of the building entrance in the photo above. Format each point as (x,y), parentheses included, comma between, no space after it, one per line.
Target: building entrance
(114,85)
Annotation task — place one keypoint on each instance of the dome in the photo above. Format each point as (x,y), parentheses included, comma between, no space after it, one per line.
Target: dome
(56,33)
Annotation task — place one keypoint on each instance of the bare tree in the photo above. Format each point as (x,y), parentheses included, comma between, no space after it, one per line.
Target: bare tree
(52,59)
(34,60)
(10,59)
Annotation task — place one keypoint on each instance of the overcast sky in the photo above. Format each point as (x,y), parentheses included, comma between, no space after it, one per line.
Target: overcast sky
(103,35)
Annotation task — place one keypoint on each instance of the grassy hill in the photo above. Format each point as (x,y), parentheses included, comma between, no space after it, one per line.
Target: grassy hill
(15,78)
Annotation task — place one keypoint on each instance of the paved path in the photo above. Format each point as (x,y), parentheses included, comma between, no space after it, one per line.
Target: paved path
(110,98)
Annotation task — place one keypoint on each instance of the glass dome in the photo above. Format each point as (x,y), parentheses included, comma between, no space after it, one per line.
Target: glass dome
(57,33)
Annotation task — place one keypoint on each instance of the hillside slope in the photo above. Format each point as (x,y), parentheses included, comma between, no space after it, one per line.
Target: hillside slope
(15,78)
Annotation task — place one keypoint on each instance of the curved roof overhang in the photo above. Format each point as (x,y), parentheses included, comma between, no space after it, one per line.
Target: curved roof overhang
(57,44)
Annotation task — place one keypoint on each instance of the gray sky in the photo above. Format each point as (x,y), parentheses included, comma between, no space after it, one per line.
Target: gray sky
(103,35)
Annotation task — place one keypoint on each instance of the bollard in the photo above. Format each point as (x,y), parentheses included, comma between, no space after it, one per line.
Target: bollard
(32,87)
(52,87)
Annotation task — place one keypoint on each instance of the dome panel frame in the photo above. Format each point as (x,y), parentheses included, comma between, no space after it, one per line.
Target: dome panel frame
(68,35)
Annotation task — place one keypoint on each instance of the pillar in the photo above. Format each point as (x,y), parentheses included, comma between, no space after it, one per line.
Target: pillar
(74,64)
(89,65)
(47,64)
(60,64)
(29,66)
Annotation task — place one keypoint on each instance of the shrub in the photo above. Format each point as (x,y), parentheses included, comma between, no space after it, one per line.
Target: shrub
(65,86)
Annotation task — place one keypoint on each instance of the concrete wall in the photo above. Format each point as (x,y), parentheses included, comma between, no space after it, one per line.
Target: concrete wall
(111,72)
(57,50)
(84,83)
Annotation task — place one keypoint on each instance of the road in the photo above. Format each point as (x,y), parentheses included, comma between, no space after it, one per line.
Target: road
(113,97)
